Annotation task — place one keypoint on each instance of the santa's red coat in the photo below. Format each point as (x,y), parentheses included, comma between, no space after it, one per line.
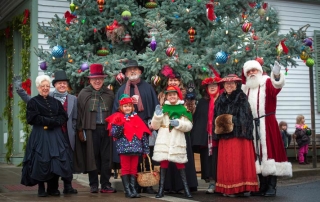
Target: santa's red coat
(263,102)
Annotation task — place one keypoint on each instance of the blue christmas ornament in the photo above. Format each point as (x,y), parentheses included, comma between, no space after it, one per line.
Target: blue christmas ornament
(221,57)
(218,19)
(57,52)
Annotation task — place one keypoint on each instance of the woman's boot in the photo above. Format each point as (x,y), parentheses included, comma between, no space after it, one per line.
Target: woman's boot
(306,159)
(53,185)
(126,186)
(133,181)
(163,172)
(185,183)
(41,190)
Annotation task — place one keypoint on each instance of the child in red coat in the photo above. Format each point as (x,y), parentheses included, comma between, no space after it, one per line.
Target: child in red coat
(130,133)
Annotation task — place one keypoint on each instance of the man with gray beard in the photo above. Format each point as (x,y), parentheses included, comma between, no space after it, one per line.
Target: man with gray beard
(145,106)
(262,92)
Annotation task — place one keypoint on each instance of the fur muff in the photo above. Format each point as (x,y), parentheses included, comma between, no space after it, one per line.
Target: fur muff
(223,124)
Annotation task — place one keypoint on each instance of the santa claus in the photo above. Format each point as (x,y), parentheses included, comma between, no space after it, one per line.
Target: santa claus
(262,92)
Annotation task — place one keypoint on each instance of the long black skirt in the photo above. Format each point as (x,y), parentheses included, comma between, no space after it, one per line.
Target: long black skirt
(47,154)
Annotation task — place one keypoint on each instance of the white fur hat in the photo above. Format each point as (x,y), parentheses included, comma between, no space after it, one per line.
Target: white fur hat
(250,65)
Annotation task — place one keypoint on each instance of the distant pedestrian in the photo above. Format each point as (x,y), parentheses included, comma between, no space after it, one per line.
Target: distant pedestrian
(302,137)
(286,137)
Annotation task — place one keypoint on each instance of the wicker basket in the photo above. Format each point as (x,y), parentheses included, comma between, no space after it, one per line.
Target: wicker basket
(148,178)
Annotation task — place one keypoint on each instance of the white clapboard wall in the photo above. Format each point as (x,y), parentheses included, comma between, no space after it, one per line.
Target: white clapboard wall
(294,98)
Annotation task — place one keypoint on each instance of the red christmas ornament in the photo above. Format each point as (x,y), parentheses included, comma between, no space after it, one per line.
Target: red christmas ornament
(246,26)
(79,71)
(210,11)
(260,60)
(191,33)
(126,38)
(100,5)
(170,51)
(95,30)
(120,78)
(255,37)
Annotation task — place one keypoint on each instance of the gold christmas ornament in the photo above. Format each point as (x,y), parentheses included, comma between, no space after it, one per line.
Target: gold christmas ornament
(304,55)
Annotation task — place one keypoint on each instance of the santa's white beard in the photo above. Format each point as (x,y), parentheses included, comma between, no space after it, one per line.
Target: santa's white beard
(253,81)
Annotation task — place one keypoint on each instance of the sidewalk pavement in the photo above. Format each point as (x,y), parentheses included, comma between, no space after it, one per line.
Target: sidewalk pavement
(12,190)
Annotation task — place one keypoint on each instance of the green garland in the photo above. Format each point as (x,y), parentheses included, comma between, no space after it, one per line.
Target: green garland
(21,23)
(8,110)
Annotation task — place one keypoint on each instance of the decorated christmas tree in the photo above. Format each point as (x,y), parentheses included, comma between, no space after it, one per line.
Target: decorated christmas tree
(189,37)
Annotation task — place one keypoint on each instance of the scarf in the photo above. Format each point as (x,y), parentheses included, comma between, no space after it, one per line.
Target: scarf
(136,92)
(176,112)
(97,101)
(212,98)
(60,96)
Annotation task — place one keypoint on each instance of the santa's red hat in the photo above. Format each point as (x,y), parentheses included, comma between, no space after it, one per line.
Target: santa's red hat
(251,64)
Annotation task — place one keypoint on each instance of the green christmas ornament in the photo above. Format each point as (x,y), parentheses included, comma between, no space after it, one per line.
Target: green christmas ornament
(126,15)
(310,62)
(72,7)
(103,52)
(261,12)
(151,4)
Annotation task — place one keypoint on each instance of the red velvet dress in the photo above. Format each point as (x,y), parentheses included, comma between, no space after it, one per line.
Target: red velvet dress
(236,171)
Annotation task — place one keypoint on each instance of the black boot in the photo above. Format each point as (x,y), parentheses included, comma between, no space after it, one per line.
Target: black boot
(115,174)
(272,187)
(53,185)
(126,185)
(163,172)
(67,187)
(132,183)
(185,183)
(263,181)
(41,190)
(306,159)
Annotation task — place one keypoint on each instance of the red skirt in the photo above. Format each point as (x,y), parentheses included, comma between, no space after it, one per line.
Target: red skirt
(236,170)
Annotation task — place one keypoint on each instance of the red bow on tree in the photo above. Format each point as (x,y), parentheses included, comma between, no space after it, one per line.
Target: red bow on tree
(7,32)
(69,17)
(210,11)
(27,86)
(10,88)
(26,16)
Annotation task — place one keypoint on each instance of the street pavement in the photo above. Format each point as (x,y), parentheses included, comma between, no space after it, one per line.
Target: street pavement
(12,191)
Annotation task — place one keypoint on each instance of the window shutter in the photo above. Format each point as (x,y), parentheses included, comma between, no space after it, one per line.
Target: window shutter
(316,47)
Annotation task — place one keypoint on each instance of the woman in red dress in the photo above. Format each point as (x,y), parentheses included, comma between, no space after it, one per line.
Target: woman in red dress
(236,172)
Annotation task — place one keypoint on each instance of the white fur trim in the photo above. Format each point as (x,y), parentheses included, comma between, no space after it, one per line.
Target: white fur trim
(178,103)
(284,169)
(250,65)
(268,167)
(278,84)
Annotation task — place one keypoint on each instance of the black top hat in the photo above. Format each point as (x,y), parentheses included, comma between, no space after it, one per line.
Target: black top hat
(59,75)
(132,63)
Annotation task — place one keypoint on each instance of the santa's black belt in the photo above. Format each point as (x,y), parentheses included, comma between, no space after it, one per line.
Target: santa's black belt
(257,124)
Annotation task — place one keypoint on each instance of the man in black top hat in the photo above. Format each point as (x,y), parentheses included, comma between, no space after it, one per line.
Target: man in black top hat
(94,145)
(147,98)
(69,102)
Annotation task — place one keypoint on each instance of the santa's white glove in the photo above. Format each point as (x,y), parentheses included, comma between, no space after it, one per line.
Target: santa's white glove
(276,68)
